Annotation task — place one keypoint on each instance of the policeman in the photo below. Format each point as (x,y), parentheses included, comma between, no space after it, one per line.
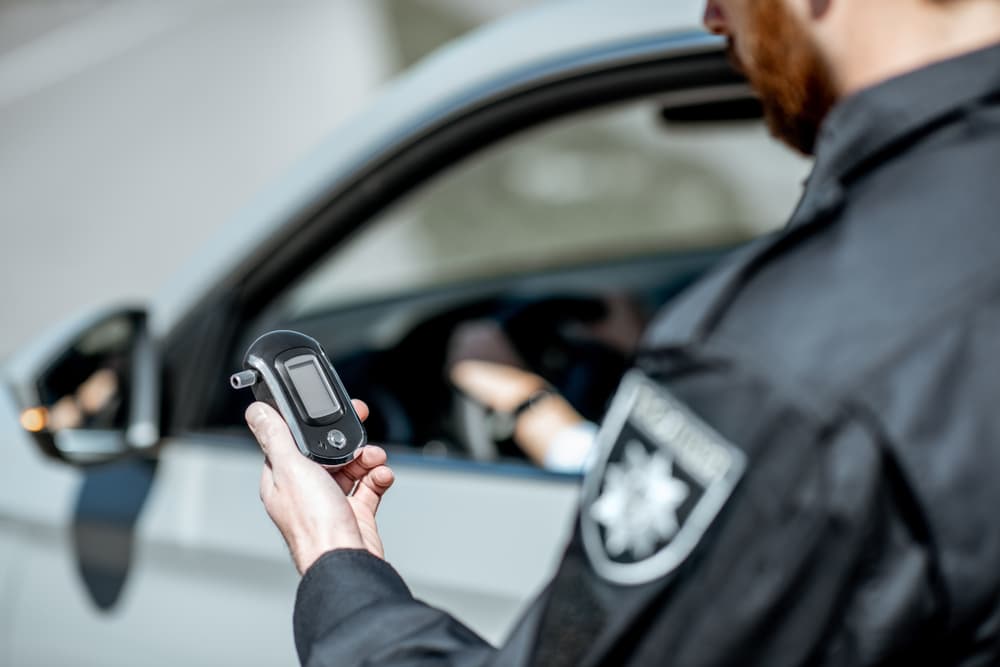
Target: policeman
(802,468)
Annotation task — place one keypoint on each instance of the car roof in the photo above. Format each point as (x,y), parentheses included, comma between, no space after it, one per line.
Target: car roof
(492,57)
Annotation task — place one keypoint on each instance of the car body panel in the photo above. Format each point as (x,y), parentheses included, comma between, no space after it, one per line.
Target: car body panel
(208,572)
(36,495)
(36,490)
(23,511)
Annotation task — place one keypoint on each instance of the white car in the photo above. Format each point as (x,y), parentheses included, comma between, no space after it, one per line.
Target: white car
(546,173)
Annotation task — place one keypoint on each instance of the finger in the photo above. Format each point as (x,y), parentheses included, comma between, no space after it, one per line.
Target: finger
(372,487)
(371,456)
(272,435)
(345,483)
(361,408)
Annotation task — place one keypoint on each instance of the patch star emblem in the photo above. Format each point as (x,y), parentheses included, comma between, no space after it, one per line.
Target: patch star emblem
(639,505)
(661,475)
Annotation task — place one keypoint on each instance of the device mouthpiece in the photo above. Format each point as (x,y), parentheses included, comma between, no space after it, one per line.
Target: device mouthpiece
(244,379)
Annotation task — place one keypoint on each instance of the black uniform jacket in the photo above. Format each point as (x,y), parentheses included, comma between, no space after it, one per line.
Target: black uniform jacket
(827,462)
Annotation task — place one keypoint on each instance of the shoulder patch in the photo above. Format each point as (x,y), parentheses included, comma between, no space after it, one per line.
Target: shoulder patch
(659,478)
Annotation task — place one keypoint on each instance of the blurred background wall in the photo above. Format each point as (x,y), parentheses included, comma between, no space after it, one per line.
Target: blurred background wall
(131,129)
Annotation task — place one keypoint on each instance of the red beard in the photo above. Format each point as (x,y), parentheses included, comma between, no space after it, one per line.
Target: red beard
(788,72)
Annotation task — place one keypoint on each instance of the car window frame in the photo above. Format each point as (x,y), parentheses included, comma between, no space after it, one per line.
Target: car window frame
(199,349)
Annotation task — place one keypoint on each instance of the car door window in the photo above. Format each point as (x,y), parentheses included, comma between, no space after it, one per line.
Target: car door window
(607,185)
(614,206)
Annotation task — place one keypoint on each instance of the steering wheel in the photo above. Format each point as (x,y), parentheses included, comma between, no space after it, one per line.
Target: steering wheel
(553,339)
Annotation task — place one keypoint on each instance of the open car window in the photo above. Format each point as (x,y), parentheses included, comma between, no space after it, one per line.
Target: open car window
(550,235)
(606,185)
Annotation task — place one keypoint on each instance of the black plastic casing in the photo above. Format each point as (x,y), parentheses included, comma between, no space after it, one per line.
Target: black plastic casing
(274,387)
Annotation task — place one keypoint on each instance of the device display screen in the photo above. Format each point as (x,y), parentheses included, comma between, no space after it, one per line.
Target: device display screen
(317,398)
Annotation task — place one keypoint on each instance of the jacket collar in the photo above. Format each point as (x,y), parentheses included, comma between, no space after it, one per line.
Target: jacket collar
(860,133)
(871,125)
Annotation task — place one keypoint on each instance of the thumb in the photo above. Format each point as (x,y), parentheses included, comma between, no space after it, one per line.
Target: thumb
(272,435)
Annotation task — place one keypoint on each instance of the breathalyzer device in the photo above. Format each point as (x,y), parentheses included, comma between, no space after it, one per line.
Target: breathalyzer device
(290,372)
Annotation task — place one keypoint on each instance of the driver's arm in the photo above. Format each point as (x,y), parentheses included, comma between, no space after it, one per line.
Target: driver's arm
(551,433)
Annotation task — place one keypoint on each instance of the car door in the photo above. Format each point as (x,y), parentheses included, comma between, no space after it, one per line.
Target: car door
(171,557)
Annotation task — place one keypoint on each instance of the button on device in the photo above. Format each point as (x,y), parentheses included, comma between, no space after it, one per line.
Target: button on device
(336,438)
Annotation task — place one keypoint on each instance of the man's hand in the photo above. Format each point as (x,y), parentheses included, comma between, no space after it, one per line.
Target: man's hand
(317,510)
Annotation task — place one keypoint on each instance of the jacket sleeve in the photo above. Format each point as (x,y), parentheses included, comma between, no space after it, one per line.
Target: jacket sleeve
(353,608)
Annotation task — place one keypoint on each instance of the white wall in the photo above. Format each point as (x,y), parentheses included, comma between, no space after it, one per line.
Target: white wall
(129,130)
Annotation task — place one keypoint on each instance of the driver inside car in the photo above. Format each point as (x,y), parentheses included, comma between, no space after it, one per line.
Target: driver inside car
(527,409)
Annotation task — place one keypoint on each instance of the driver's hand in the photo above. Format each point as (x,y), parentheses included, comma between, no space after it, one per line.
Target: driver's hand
(483,364)
(315,509)
(503,388)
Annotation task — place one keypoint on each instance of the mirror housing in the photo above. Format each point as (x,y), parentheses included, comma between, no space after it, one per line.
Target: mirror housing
(89,390)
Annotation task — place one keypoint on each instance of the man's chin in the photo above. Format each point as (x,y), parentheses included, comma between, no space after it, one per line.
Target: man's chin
(796,133)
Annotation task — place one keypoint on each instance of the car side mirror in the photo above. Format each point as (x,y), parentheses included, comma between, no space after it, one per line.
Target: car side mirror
(90,391)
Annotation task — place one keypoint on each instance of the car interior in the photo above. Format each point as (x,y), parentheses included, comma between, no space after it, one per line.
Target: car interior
(393,354)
